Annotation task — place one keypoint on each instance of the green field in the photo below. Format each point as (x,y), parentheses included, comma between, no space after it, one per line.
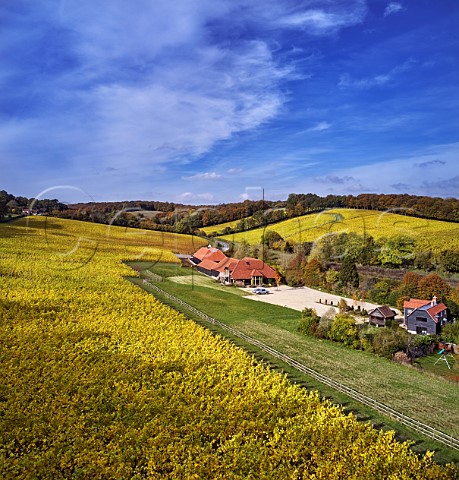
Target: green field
(429,234)
(421,396)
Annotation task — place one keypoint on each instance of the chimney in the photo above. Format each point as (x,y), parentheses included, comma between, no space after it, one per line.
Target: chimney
(434,301)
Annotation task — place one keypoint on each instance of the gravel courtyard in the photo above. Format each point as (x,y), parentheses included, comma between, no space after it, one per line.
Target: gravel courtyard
(301,297)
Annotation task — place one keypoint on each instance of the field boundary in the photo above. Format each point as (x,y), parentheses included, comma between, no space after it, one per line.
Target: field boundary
(405,420)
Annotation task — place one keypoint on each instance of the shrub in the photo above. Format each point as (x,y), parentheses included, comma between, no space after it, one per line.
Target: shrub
(387,341)
(367,335)
(343,329)
(450,333)
(325,323)
(309,322)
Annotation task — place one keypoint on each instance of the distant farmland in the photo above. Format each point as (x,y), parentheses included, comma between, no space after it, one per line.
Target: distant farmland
(432,235)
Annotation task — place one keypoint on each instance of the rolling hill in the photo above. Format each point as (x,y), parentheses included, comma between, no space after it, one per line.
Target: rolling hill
(432,235)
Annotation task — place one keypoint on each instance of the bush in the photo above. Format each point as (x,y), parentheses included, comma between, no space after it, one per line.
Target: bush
(387,341)
(309,322)
(367,335)
(343,329)
(450,333)
(421,345)
(325,324)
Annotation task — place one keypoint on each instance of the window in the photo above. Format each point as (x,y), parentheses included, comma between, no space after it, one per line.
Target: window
(421,330)
(421,319)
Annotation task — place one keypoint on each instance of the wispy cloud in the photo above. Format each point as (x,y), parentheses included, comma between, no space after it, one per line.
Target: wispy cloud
(204,176)
(379,176)
(171,97)
(446,187)
(322,21)
(392,7)
(319,127)
(346,81)
(193,197)
(401,187)
(430,163)
(135,93)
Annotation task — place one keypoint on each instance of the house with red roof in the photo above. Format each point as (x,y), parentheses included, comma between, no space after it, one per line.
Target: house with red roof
(208,253)
(248,271)
(251,271)
(423,317)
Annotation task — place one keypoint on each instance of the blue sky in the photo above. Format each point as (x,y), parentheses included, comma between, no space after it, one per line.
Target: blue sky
(209,101)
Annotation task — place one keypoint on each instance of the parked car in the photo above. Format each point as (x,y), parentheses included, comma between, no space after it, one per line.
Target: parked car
(260,291)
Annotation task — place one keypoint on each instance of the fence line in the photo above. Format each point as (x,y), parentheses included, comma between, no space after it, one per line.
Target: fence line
(420,427)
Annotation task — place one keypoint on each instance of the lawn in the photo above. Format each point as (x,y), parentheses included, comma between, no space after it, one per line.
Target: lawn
(433,364)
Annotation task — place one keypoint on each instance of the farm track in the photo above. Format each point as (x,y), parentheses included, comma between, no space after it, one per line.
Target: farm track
(403,419)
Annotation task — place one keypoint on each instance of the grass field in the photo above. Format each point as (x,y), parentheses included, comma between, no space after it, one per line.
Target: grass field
(421,396)
(429,234)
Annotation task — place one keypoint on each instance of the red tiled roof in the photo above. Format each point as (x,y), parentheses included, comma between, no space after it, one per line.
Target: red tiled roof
(208,264)
(210,253)
(229,263)
(246,268)
(201,253)
(436,309)
(415,303)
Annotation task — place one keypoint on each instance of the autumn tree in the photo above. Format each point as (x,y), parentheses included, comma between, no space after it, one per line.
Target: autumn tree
(433,285)
(331,277)
(295,269)
(409,284)
(270,237)
(342,306)
(448,260)
(313,274)
(387,341)
(243,249)
(381,292)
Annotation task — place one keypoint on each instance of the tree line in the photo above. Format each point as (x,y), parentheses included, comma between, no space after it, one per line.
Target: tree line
(14,205)
(249,214)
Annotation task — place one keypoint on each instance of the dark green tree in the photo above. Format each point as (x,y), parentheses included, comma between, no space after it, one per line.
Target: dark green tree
(448,260)
(348,275)
(269,237)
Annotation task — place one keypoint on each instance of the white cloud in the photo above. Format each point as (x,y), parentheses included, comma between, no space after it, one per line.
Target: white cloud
(190,197)
(317,21)
(204,176)
(346,81)
(392,7)
(319,127)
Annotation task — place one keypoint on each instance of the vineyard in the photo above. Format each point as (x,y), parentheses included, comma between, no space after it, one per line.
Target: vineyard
(429,234)
(100,380)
